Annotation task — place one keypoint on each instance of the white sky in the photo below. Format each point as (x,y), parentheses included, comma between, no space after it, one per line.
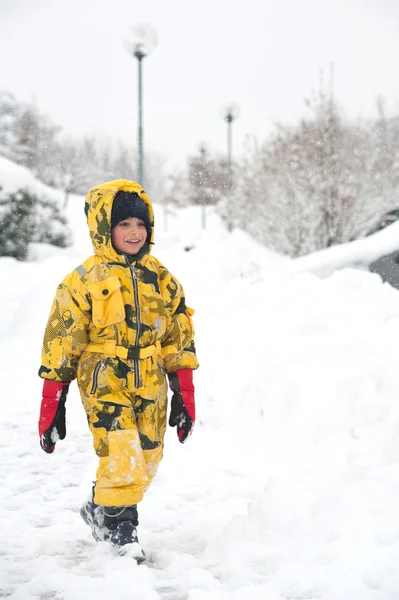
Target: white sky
(264,55)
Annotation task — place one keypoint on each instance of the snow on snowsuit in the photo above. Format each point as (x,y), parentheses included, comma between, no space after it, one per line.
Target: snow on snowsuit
(118,325)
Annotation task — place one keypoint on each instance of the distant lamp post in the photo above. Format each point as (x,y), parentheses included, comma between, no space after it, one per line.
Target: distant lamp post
(230,113)
(205,183)
(199,178)
(142,40)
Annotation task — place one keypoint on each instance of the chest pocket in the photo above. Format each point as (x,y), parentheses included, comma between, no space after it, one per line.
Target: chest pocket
(107,302)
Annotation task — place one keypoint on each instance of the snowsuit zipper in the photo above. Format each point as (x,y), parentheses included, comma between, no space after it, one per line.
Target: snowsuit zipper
(137,306)
(95,377)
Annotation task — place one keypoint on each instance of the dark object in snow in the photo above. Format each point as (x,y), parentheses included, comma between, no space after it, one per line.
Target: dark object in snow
(389,218)
(188,248)
(387,268)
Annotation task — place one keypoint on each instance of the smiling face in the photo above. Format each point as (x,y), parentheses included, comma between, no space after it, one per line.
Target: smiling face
(129,236)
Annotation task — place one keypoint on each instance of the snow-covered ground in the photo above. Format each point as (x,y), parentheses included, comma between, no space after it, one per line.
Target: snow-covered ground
(288,488)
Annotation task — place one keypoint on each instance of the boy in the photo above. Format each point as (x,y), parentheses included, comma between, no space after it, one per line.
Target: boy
(118,324)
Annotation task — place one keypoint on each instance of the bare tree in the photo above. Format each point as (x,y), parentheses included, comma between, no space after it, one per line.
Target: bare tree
(9,108)
(34,138)
(323,181)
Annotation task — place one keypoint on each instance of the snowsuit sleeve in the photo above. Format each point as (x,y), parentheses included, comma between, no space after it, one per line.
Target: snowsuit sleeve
(66,332)
(178,342)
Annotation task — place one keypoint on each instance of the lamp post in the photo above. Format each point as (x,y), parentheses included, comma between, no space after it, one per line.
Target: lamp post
(230,113)
(141,41)
(204,181)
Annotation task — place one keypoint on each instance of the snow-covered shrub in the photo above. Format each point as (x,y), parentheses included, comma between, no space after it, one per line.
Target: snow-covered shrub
(24,218)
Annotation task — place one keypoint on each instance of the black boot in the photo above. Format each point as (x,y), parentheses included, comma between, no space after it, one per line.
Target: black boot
(122,522)
(93,515)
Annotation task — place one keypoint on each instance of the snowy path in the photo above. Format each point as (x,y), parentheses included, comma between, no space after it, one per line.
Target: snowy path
(46,551)
(289,486)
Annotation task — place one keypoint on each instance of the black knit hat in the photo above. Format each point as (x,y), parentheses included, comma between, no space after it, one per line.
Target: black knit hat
(129,204)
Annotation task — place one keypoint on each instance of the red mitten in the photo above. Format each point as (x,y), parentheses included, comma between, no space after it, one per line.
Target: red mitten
(182,411)
(52,414)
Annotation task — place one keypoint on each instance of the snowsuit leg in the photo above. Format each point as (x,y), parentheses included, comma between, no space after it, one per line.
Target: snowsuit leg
(128,426)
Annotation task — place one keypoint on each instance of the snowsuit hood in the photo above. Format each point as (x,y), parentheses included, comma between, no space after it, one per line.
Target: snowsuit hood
(98,207)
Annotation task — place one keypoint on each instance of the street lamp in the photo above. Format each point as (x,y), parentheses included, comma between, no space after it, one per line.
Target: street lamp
(230,113)
(141,41)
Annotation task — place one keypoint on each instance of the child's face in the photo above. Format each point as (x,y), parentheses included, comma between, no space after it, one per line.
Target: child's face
(129,236)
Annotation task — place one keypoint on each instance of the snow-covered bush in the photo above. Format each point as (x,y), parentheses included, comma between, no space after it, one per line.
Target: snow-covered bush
(25,218)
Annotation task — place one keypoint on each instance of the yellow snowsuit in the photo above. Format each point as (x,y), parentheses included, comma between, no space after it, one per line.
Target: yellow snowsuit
(119,325)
